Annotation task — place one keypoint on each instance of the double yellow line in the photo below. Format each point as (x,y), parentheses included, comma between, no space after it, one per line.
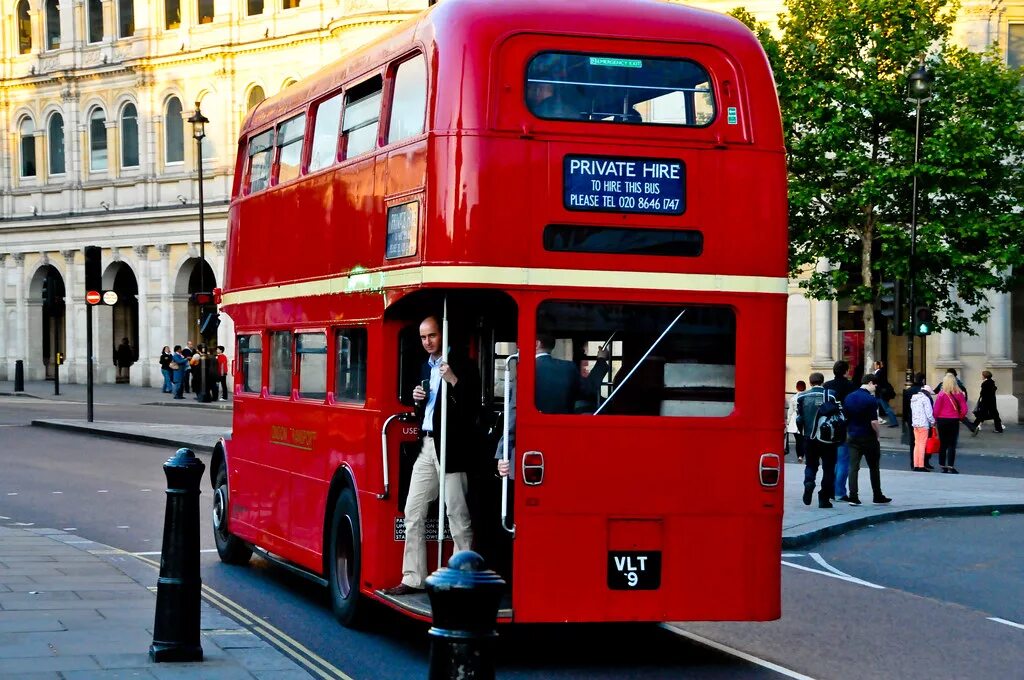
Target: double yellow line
(286,644)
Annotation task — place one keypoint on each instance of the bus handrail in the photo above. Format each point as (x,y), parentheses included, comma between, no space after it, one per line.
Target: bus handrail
(384,449)
(504,446)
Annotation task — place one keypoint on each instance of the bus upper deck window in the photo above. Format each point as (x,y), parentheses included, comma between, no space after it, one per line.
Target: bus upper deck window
(409,101)
(327,120)
(289,144)
(362,114)
(619,89)
(260,148)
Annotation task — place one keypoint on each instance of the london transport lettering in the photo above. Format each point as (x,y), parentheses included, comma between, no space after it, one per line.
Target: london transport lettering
(633,185)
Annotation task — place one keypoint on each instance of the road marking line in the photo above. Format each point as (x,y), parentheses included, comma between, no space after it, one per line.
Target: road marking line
(102,491)
(821,560)
(792,554)
(850,579)
(1008,623)
(56,492)
(735,652)
(157,552)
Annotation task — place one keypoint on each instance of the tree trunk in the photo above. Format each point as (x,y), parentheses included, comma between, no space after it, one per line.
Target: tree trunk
(869,307)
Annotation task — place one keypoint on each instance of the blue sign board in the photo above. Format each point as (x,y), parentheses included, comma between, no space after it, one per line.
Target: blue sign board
(654,186)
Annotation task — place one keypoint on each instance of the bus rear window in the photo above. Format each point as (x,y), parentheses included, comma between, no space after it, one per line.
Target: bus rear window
(664,360)
(260,149)
(619,89)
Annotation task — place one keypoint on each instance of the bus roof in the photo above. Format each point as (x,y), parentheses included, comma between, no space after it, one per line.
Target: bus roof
(474,28)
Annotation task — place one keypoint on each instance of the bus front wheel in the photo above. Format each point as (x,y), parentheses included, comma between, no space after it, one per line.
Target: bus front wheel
(232,550)
(345,558)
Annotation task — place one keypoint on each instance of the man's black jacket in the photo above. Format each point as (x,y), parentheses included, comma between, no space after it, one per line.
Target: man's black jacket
(463,414)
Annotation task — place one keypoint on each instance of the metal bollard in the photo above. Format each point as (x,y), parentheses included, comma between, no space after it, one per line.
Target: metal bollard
(19,376)
(176,628)
(464,597)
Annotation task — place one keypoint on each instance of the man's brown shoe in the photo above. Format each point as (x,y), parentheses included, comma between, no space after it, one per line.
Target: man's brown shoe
(401,589)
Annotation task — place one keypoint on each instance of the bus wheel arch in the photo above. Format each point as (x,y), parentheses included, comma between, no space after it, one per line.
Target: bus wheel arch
(230,548)
(343,551)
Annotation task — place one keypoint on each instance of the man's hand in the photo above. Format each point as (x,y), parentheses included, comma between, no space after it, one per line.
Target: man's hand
(418,393)
(503,466)
(604,354)
(447,374)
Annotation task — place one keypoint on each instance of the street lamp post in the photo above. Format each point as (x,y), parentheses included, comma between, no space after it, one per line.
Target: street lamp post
(199,122)
(919,89)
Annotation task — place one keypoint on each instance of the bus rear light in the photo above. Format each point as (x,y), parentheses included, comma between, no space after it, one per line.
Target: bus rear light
(533,468)
(770,468)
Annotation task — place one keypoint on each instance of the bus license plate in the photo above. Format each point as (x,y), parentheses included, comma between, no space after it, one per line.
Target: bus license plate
(632,570)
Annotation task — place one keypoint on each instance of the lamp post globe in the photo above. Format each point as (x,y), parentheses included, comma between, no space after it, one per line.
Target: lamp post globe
(919,84)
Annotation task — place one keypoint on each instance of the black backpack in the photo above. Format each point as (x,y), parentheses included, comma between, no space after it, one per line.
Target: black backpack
(829,421)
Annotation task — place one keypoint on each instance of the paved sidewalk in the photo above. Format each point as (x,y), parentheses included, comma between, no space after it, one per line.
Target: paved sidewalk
(71,608)
(129,395)
(199,438)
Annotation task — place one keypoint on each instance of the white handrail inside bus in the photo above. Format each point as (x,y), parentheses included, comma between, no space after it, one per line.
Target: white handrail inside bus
(384,451)
(444,439)
(504,446)
(642,359)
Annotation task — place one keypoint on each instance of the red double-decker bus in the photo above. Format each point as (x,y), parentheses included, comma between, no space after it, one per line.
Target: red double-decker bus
(609,177)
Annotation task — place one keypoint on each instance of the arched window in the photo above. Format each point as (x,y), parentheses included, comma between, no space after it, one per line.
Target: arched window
(55,144)
(256,95)
(125,18)
(172,13)
(95,21)
(205,10)
(24,28)
(174,132)
(129,136)
(255,7)
(27,131)
(52,24)
(97,140)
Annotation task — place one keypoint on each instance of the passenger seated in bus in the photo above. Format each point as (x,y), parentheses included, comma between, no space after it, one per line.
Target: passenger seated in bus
(463,397)
(548,101)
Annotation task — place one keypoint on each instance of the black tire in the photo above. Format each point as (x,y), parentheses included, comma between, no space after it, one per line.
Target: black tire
(232,550)
(345,562)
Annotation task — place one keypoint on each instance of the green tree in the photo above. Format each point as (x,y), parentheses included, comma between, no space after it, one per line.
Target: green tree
(841,69)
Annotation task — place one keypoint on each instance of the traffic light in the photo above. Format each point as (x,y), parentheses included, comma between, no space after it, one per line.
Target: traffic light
(208,322)
(923,323)
(201,299)
(93,268)
(890,305)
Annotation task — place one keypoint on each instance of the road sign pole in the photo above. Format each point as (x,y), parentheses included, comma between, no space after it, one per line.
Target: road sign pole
(88,361)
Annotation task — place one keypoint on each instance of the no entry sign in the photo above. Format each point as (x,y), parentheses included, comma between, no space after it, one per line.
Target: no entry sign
(93,297)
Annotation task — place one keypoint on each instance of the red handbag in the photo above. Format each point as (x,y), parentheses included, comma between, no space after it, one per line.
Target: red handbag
(931,445)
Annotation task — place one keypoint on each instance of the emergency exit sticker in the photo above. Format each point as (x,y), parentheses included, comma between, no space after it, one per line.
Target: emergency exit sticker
(732,115)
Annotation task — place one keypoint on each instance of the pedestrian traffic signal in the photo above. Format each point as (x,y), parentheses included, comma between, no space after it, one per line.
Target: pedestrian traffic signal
(208,323)
(923,324)
(93,268)
(201,298)
(891,306)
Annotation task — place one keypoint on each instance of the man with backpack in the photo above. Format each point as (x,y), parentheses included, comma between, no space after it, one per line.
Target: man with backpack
(820,420)
(861,408)
(841,386)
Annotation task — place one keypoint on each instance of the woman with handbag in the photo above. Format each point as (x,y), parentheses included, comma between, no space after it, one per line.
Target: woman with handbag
(922,419)
(950,408)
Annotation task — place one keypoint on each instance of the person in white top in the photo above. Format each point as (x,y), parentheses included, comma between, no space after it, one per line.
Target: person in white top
(791,428)
(922,419)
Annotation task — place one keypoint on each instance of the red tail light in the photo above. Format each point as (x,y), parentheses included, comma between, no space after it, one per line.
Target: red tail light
(533,468)
(770,469)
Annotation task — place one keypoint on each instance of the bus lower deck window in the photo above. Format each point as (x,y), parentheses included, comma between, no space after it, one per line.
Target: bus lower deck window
(311,364)
(350,365)
(281,363)
(250,353)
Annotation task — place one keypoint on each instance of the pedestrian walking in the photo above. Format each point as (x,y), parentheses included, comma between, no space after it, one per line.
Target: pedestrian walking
(165,369)
(950,408)
(124,357)
(885,391)
(791,428)
(986,408)
(816,452)
(861,407)
(841,386)
(922,420)
(187,352)
(177,366)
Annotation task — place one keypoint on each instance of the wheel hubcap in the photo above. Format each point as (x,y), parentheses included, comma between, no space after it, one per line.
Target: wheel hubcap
(343,562)
(220,504)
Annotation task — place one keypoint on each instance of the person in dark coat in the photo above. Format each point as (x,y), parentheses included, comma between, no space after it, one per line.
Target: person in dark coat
(124,357)
(463,402)
(178,374)
(841,386)
(165,370)
(986,409)
(559,384)
(885,391)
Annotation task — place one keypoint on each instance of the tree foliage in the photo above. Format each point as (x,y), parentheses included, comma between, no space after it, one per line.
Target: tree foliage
(841,69)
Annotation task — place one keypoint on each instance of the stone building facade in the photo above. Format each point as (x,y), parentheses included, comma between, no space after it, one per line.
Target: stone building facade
(95,97)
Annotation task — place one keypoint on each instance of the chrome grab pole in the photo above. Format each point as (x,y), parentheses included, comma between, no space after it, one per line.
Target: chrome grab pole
(384,450)
(504,440)
(444,440)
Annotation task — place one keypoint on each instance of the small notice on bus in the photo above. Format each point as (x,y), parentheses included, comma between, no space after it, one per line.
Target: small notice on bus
(655,186)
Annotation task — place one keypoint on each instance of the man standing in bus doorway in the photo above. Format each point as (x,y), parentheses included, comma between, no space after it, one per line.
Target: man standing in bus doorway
(463,411)
(841,386)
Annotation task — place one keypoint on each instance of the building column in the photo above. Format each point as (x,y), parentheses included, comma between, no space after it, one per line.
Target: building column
(21,318)
(39,144)
(822,357)
(997,338)
(71,303)
(144,373)
(3,316)
(165,292)
(113,146)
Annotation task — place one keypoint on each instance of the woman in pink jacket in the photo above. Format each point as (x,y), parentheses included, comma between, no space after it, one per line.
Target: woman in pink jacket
(950,409)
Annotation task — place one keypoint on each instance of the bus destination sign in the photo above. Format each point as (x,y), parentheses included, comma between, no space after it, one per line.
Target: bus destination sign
(653,186)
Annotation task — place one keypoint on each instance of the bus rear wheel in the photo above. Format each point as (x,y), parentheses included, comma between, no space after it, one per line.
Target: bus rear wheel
(232,550)
(345,562)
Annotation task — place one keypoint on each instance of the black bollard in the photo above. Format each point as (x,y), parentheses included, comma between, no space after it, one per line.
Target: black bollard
(176,628)
(19,376)
(56,375)
(464,598)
